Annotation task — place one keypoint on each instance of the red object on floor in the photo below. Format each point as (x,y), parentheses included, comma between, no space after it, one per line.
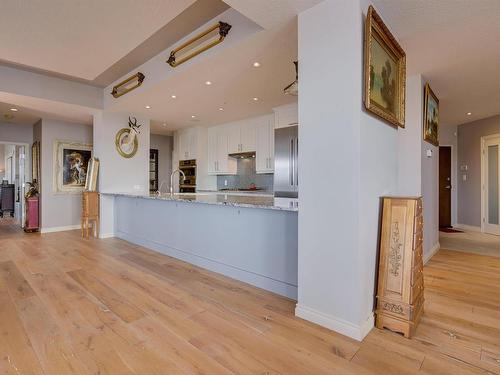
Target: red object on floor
(449,230)
(32,224)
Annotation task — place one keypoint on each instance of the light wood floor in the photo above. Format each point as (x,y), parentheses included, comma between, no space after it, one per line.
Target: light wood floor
(108,307)
(471,242)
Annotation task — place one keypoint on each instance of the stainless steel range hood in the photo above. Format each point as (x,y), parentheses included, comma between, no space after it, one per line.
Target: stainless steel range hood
(243,155)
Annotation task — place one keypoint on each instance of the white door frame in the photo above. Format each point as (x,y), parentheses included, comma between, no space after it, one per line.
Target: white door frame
(483,178)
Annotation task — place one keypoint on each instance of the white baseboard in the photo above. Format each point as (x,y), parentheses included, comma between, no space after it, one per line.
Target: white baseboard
(433,251)
(468,228)
(60,229)
(106,235)
(356,332)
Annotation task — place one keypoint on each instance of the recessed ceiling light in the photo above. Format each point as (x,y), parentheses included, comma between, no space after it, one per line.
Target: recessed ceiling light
(469,113)
(221,109)
(208,83)
(164,124)
(256,64)
(193,116)
(148,107)
(255,99)
(173,96)
(14,109)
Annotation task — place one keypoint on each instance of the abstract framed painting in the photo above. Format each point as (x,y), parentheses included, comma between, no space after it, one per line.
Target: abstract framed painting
(431,116)
(71,161)
(384,71)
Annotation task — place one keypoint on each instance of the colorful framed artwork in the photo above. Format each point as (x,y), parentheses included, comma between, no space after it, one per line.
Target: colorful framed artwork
(384,71)
(71,161)
(431,116)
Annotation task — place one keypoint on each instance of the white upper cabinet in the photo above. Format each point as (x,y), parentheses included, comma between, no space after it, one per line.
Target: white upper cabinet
(219,163)
(251,135)
(233,137)
(241,137)
(264,155)
(187,144)
(248,138)
(286,115)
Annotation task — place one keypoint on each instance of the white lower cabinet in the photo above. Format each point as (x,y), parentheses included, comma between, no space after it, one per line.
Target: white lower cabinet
(264,153)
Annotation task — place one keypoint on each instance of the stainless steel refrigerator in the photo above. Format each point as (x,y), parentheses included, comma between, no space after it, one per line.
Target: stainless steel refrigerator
(286,166)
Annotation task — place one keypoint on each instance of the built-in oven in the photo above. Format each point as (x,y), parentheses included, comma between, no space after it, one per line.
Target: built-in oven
(187,184)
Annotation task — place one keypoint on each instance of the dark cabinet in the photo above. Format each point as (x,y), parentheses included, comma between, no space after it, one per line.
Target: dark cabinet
(6,199)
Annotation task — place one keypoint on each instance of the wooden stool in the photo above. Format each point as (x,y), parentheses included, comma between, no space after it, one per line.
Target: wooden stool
(90,213)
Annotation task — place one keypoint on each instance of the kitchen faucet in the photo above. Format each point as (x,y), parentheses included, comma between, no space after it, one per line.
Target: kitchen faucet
(172,179)
(158,192)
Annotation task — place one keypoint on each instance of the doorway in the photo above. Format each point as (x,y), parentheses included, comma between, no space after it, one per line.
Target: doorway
(490,180)
(445,186)
(14,173)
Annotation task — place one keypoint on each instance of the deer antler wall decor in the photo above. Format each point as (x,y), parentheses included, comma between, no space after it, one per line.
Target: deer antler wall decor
(126,139)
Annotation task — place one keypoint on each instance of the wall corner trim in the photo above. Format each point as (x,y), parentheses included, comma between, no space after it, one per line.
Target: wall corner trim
(433,251)
(106,235)
(60,229)
(356,332)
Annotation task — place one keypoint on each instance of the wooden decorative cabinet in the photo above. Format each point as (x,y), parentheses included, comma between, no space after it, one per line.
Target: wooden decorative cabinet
(90,212)
(400,296)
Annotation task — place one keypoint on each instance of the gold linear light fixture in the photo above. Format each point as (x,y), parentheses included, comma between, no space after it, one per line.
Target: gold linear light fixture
(128,85)
(199,43)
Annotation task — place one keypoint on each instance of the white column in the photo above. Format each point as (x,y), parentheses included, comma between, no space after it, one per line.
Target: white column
(348,160)
(116,173)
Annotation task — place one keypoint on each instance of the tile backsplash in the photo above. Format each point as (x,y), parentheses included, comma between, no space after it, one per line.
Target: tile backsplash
(245,176)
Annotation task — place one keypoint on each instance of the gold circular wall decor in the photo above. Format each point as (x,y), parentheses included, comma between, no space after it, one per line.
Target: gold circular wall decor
(124,147)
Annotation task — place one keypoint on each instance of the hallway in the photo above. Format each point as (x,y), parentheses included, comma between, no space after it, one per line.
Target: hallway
(471,242)
(111,306)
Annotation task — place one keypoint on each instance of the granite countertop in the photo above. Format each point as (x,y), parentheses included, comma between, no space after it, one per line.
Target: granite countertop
(244,200)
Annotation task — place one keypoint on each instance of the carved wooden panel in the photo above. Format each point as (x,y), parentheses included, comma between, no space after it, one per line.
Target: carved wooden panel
(400,278)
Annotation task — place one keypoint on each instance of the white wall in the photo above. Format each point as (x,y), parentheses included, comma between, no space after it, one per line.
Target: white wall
(410,140)
(448,137)
(338,229)
(59,210)
(16,133)
(430,197)
(417,172)
(20,82)
(119,174)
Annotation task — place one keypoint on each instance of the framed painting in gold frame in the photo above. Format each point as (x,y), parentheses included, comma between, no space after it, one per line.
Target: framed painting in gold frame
(384,71)
(431,116)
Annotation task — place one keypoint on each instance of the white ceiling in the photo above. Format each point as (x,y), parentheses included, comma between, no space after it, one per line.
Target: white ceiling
(455,45)
(79,38)
(269,14)
(22,116)
(235,82)
(30,110)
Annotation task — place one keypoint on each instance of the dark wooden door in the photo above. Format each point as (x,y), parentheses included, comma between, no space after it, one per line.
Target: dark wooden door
(445,186)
